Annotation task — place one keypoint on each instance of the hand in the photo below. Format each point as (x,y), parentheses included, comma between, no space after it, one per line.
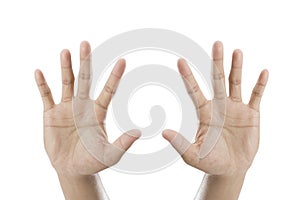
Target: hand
(63,145)
(238,143)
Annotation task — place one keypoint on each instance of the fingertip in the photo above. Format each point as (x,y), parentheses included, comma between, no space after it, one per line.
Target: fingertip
(218,45)
(183,67)
(38,75)
(181,61)
(169,134)
(127,139)
(266,71)
(119,67)
(122,61)
(237,58)
(85,48)
(179,142)
(37,72)
(84,44)
(64,53)
(238,52)
(217,50)
(264,76)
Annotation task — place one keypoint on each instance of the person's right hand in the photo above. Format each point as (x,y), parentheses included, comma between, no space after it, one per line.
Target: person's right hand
(62,143)
(239,139)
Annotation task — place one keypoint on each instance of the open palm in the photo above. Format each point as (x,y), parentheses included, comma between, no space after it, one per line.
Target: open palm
(238,142)
(62,142)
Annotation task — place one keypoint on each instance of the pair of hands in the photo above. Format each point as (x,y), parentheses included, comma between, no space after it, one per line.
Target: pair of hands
(233,153)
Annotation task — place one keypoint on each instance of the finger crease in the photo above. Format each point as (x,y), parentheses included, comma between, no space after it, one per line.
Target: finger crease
(118,77)
(66,67)
(260,84)
(218,59)
(100,105)
(84,76)
(256,93)
(46,94)
(109,89)
(187,75)
(235,81)
(202,105)
(42,84)
(218,76)
(236,99)
(236,67)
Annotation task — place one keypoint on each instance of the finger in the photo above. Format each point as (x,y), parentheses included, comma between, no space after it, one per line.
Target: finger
(258,90)
(218,71)
(180,143)
(111,85)
(127,139)
(84,78)
(235,76)
(217,54)
(67,76)
(44,90)
(189,152)
(191,84)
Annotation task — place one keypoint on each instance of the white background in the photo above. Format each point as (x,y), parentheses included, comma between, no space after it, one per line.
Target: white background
(32,34)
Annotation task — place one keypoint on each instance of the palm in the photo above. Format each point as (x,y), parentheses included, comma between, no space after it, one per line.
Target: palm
(241,129)
(63,144)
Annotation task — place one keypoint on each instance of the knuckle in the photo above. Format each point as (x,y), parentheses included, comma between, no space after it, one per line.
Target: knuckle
(218,59)
(97,102)
(84,76)
(236,99)
(67,82)
(41,85)
(218,76)
(109,89)
(194,89)
(46,94)
(256,93)
(200,106)
(235,81)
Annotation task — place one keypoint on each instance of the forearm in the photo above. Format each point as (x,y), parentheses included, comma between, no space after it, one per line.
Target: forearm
(82,187)
(220,187)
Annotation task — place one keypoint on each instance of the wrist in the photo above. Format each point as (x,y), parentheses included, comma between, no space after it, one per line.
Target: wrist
(79,187)
(225,187)
(230,176)
(67,177)
(73,182)
(72,172)
(228,180)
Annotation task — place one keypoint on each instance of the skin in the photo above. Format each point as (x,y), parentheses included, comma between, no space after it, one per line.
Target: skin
(75,166)
(226,165)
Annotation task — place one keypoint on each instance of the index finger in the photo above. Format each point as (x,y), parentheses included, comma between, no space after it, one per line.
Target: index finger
(191,84)
(111,85)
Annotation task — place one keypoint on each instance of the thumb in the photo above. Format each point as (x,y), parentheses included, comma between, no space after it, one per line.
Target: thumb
(127,139)
(180,143)
(112,153)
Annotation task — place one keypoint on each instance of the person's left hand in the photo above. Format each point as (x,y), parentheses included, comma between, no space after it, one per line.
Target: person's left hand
(238,143)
